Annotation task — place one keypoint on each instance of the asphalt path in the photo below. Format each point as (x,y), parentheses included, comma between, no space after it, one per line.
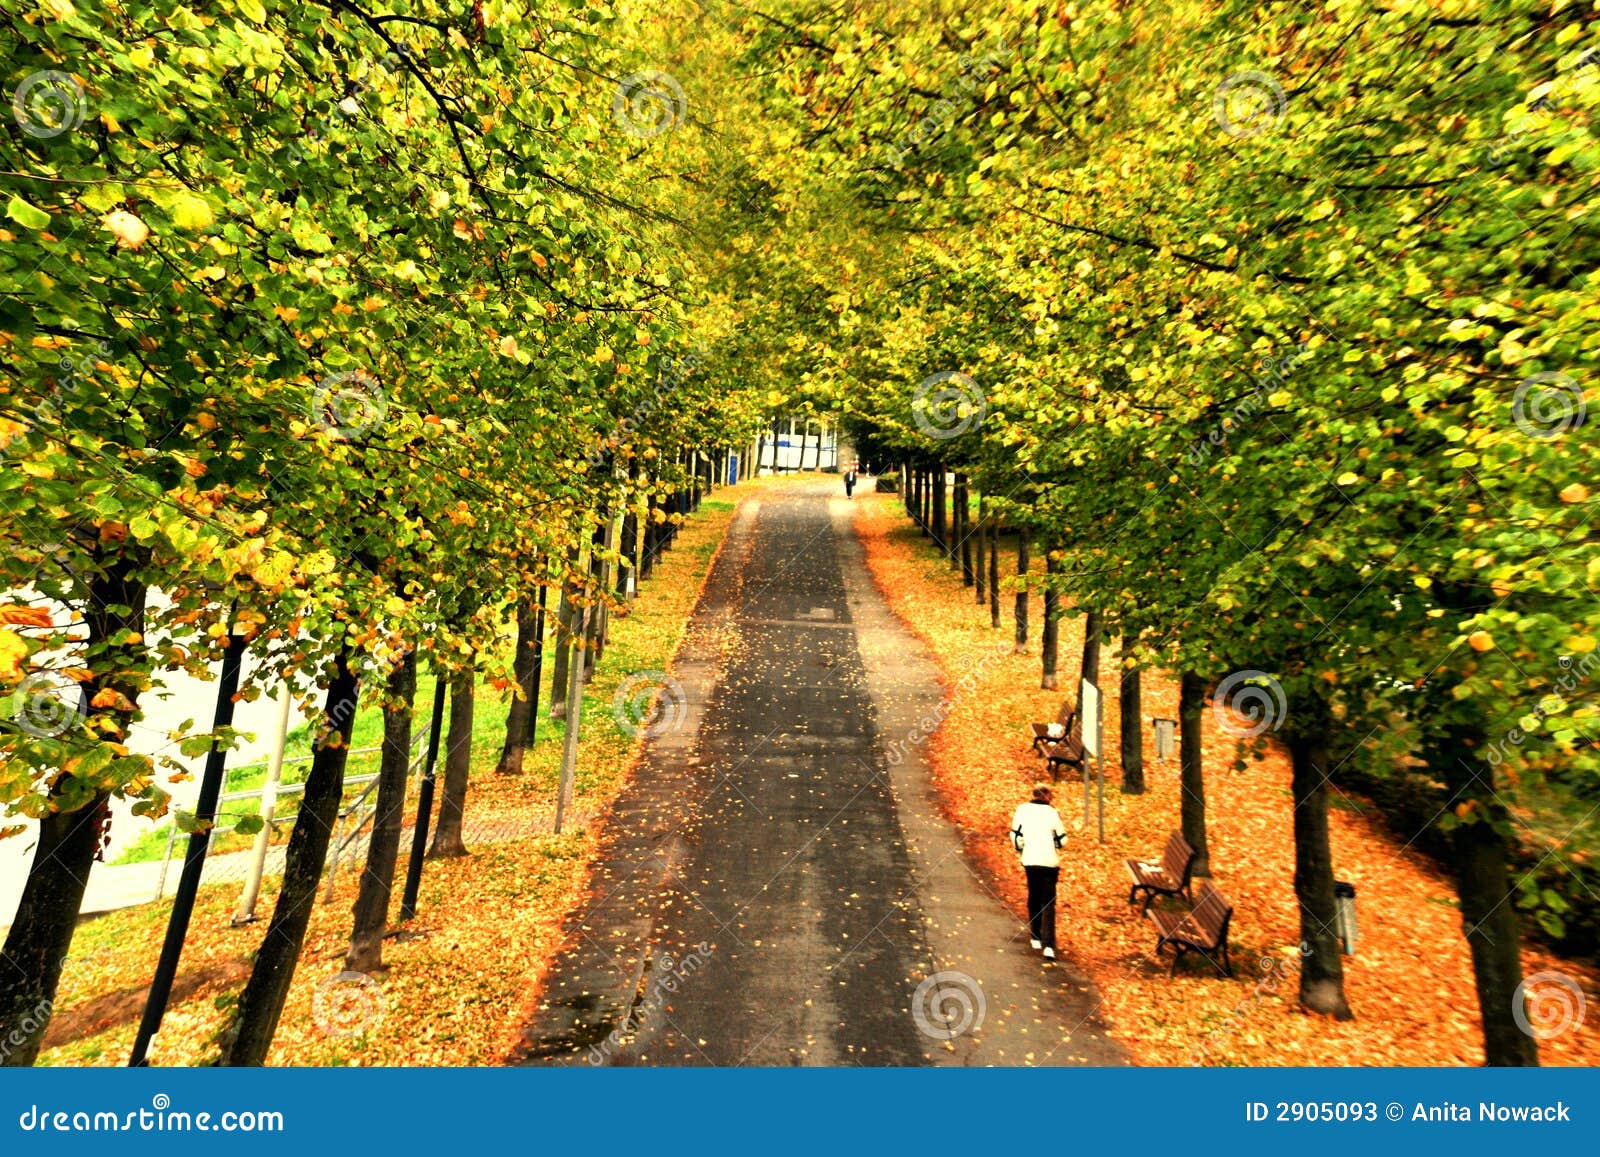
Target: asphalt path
(776,885)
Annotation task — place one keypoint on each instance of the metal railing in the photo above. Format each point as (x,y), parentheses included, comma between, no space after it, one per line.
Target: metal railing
(367,783)
(364,812)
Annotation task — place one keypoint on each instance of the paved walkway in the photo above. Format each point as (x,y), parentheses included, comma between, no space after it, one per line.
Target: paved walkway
(774,888)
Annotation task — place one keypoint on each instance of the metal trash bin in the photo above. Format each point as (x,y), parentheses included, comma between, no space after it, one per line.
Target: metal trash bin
(1166,737)
(1344,917)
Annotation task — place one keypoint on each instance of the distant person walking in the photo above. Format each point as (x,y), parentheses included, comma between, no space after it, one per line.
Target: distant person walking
(849,482)
(1037,834)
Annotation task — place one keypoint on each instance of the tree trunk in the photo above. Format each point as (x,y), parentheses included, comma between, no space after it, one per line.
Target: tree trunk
(1021,611)
(1091,653)
(447,838)
(371,910)
(980,578)
(647,553)
(994,572)
(594,618)
(261,1003)
(536,676)
(608,569)
(523,670)
(40,938)
(627,547)
(968,575)
(1131,713)
(41,934)
(564,617)
(941,537)
(1191,708)
(213,777)
(1321,959)
(960,549)
(1050,629)
(1479,852)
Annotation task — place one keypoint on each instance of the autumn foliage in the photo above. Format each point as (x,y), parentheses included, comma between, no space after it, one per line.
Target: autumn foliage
(1410,980)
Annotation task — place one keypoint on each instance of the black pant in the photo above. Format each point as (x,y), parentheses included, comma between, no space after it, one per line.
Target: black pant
(1042,904)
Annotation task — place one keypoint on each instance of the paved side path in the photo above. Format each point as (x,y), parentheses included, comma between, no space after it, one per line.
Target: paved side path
(777,886)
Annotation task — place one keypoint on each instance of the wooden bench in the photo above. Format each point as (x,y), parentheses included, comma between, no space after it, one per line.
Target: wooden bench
(1202,930)
(1169,878)
(1061,743)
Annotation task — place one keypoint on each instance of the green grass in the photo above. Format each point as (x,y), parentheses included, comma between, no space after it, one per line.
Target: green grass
(367,731)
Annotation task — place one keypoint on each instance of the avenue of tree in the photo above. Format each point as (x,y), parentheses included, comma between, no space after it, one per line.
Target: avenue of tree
(367,333)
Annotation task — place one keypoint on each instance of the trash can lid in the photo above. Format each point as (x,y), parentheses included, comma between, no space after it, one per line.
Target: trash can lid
(1344,889)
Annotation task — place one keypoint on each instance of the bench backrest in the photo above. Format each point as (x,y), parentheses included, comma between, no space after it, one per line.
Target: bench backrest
(1212,913)
(1178,860)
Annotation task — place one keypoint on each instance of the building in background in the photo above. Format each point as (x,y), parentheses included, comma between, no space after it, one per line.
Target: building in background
(799,444)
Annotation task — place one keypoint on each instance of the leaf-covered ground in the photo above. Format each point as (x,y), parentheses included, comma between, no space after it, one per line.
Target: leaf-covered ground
(461,976)
(1410,981)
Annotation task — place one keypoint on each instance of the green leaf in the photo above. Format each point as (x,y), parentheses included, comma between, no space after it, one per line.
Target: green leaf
(26,215)
(190,823)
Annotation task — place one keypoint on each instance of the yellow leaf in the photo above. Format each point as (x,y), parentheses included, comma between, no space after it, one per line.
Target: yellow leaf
(12,651)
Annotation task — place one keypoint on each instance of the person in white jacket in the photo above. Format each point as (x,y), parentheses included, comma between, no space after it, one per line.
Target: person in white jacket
(1037,834)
